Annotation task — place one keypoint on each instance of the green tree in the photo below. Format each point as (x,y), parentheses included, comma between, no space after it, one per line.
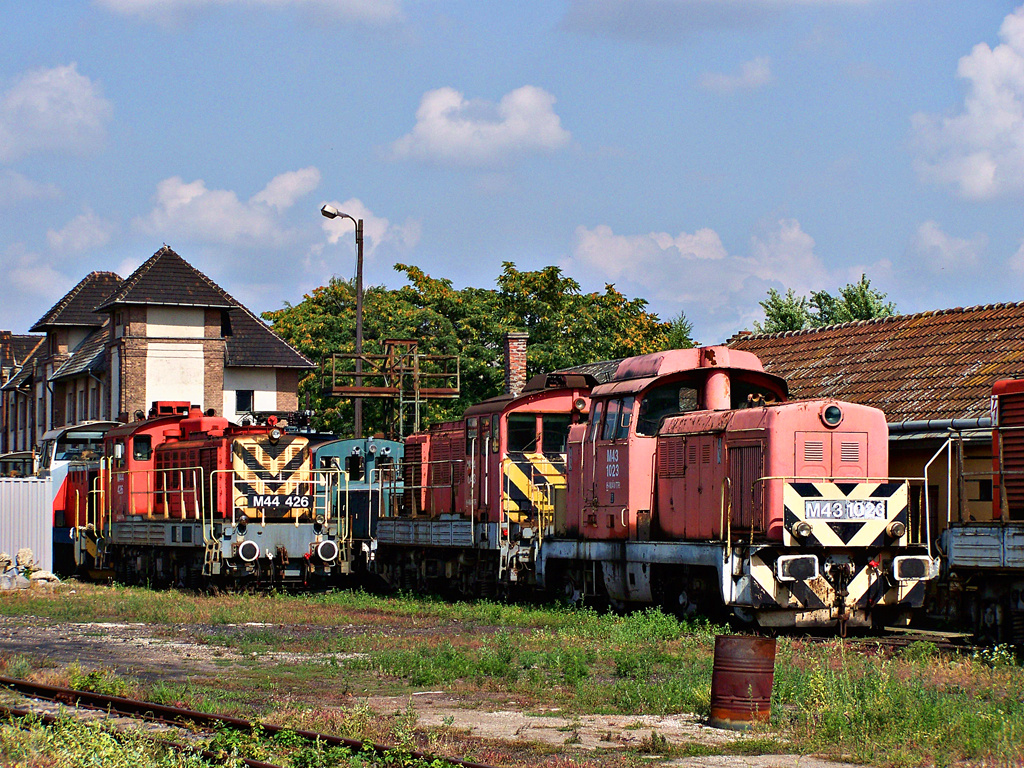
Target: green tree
(784,313)
(854,301)
(566,327)
(680,333)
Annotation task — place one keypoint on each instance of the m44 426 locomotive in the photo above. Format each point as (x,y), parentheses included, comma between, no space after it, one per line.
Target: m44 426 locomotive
(188,498)
(685,480)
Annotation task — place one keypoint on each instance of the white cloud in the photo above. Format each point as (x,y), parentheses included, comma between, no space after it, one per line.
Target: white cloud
(191,210)
(15,187)
(981,150)
(453,130)
(283,191)
(782,251)
(941,254)
(614,256)
(752,74)
(52,110)
(85,231)
(33,276)
(371,12)
(377,231)
(1016,262)
(694,272)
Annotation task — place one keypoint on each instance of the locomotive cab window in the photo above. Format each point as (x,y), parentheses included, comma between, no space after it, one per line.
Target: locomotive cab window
(522,432)
(495,423)
(142,447)
(611,420)
(665,400)
(617,417)
(596,420)
(554,432)
(747,395)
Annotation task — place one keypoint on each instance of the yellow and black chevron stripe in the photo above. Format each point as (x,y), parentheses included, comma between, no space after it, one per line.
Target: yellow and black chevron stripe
(873,506)
(528,482)
(264,467)
(865,586)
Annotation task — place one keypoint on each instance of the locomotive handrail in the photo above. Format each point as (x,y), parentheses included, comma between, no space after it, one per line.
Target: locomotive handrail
(727,514)
(429,486)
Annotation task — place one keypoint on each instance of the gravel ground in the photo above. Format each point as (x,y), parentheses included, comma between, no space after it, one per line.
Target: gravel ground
(169,653)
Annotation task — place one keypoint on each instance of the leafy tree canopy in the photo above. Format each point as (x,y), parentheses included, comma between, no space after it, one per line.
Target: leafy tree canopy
(566,327)
(854,301)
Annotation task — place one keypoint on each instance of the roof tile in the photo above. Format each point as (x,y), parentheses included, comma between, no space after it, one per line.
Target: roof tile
(939,364)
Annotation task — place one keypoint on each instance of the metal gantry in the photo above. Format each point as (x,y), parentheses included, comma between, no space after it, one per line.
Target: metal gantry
(401,375)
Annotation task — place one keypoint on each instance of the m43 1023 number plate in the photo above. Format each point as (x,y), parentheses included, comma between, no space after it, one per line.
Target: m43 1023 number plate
(275,501)
(844,509)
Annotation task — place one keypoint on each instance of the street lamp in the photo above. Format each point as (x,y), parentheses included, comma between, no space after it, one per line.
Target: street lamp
(330,212)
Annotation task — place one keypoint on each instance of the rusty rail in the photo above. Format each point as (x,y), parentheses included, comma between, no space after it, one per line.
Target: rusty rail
(145,710)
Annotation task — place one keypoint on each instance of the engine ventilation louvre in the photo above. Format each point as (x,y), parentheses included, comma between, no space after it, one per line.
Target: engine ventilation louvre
(814,452)
(849,453)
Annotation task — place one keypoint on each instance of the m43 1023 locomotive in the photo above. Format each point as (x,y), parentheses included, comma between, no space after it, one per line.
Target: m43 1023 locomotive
(686,480)
(188,498)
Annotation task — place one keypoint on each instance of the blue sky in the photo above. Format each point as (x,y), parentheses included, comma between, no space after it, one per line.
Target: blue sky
(692,152)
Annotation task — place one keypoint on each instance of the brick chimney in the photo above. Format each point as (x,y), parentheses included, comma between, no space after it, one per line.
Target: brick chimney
(515,362)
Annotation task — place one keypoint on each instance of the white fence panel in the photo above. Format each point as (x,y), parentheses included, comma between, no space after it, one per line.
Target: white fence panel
(26,518)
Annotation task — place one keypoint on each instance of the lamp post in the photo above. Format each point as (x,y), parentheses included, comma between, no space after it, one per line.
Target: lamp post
(330,212)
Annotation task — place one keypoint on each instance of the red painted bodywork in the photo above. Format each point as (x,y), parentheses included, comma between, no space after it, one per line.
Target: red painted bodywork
(1008,449)
(456,467)
(690,476)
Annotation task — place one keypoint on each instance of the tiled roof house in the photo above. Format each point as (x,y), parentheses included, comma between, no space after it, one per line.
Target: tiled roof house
(936,365)
(167,332)
(17,352)
(932,375)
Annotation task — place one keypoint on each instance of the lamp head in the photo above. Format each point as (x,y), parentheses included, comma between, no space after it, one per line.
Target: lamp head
(329,211)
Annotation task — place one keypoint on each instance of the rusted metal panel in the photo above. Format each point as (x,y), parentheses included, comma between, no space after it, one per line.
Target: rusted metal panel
(26,518)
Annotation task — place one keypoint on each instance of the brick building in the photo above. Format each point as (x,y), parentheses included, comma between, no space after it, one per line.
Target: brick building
(167,332)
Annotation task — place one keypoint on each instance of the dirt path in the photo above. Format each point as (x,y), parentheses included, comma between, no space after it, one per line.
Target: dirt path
(168,653)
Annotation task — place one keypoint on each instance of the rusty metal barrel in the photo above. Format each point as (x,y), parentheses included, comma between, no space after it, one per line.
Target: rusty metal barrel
(741,681)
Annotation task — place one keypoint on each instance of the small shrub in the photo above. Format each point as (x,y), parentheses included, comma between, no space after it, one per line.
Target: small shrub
(655,744)
(996,656)
(97,681)
(920,651)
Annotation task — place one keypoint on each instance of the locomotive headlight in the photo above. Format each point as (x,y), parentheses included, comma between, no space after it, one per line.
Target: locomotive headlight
(579,403)
(896,529)
(372,448)
(248,551)
(275,434)
(831,416)
(327,551)
(802,529)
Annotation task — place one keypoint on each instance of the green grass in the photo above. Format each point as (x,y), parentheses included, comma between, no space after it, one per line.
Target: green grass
(917,706)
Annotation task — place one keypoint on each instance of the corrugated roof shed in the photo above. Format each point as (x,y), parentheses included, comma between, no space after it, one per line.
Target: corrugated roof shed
(932,365)
(77,306)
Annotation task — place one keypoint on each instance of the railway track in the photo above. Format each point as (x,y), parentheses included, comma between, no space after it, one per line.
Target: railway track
(897,639)
(187,718)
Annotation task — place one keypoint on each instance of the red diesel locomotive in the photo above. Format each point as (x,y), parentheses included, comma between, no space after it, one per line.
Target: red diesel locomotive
(685,480)
(188,498)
